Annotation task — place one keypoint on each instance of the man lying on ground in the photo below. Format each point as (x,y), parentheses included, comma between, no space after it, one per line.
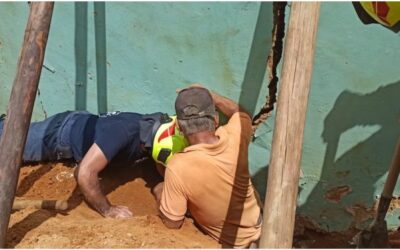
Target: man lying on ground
(210,178)
(95,141)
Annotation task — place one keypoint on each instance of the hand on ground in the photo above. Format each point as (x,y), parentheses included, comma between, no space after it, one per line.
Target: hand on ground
(118,212)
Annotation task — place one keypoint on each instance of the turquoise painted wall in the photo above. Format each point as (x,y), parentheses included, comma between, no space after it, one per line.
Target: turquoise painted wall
(353,118)
(147,50)
(151,49)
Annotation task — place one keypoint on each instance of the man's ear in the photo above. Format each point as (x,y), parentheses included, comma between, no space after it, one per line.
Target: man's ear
(177,125)
(179,128)
(216,119)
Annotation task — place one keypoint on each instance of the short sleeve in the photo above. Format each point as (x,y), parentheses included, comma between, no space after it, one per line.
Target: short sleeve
(240,124)
(173,199)
(111,138)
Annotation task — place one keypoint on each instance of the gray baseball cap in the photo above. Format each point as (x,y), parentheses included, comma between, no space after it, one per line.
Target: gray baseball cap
(193,103)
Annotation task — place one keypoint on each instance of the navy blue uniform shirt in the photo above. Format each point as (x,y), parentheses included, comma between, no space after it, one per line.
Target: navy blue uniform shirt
(119,135)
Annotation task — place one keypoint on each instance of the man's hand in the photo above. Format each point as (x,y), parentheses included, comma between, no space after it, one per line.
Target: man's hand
(118,212)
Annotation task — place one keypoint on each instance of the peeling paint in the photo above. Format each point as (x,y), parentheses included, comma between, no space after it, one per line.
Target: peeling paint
(360,213)
(49,67)
(337,193)
(41,104)
(302,223)
(394,204)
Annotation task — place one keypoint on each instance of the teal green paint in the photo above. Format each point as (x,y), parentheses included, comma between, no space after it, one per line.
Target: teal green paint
(353,116)
(10,44)
(150,49)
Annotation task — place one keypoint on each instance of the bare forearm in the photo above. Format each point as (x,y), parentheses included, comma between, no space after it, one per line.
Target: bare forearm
(157,192)
(90,187)
(170,223)
(87,173)
(227,106)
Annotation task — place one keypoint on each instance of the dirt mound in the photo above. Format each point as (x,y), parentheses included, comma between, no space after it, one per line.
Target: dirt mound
(82,227)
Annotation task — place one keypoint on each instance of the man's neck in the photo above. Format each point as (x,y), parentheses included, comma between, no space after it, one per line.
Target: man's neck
(206,137)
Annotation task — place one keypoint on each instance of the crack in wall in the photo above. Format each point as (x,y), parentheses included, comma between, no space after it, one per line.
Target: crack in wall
(336,194)
(274,57)
(41,104)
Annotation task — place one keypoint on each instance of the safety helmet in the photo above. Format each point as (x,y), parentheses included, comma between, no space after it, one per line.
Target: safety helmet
(168,140)
(386,13)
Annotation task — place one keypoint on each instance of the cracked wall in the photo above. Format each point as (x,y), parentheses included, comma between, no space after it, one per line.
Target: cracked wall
(154,48)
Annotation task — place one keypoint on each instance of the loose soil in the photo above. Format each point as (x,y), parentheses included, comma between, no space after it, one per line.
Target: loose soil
(82,227)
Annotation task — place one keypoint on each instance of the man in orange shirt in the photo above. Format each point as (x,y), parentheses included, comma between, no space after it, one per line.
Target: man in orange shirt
(210,178)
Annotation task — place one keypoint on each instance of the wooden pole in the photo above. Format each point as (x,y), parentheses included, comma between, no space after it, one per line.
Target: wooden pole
(22,203)
(20,107)
(284,167)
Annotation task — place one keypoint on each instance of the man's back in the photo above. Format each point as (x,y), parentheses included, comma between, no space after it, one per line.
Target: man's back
(117,134)
(213,180)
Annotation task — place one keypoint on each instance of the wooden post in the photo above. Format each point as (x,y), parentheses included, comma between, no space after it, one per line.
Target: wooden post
(39,204)
(284,167)
(20,107)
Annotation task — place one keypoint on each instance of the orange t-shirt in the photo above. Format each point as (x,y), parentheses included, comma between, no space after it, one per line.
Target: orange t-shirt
(213,182)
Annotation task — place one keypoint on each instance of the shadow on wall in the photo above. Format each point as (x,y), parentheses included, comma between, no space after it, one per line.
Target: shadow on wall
(81,55)
(354,174)
(250,90)
(257,62)
(259,180)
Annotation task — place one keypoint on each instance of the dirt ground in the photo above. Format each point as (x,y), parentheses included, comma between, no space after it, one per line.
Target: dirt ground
(82,227)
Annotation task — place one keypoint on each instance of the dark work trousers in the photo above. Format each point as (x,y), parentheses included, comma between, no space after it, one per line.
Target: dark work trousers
(43,140)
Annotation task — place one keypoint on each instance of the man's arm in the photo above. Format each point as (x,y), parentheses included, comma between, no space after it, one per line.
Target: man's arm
(157,191)
(87,177)
(227,106)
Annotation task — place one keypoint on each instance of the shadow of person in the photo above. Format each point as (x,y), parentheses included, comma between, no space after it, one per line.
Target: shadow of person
(112,177)
(259,180)
(359,168)
(250,90)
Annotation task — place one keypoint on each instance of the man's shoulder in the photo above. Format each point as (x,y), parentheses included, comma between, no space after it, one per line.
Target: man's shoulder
(240,123)
(120,119)
(180,161)
(120,115)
